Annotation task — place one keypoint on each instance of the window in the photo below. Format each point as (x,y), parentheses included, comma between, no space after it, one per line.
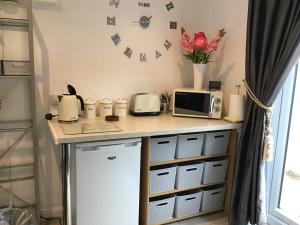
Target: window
(283,174)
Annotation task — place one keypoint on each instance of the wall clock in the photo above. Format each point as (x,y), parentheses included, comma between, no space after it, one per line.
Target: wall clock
(143,20)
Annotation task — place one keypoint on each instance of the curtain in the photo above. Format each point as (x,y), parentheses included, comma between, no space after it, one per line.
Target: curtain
(273,34)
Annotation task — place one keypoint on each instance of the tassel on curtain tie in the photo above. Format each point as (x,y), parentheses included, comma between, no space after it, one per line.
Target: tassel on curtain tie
(268,138)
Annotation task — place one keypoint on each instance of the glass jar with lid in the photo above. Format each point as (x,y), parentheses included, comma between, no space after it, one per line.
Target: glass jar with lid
(105,108)
(121,107)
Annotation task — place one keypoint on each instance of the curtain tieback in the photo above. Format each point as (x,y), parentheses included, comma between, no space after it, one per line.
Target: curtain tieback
(268,138)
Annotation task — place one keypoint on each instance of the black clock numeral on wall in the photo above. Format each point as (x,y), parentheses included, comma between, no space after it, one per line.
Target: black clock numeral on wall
(128,52)
(144,4)
(111,21)
(157,54)
(167,44)
(170,6)
(114,2)
(173,25)
(143,57)
(116,39)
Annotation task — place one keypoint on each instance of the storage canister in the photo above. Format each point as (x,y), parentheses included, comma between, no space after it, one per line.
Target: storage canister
(215,171)
(105,107)
(162,148)
(213,199)
(89,108)
(15,68)
(162,180)
(121,107)
(188,204)
(161,210)
(216,142)
(189,175)
(189,145)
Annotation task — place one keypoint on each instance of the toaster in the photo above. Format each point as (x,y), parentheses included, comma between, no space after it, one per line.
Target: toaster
(144,104)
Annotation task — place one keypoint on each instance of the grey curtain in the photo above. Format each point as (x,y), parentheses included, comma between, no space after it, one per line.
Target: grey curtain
(273,34)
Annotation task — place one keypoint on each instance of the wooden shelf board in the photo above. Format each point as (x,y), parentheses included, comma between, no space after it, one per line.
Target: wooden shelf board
(189,217)
(188,159)
(185,189)
(18,125)
(14,22)
(15,77)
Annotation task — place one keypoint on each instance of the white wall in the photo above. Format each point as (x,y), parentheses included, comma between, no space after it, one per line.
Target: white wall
(229,61)
(72,43)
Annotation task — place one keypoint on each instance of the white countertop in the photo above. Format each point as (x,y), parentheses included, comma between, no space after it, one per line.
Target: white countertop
(133,127)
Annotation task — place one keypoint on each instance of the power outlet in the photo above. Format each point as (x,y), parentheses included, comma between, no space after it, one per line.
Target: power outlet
(54,100)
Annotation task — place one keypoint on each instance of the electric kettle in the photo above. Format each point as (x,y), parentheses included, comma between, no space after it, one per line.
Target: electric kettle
(68,106)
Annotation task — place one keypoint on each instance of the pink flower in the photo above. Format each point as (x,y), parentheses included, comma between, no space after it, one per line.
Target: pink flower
(200,40)
(213,45)
(187,43)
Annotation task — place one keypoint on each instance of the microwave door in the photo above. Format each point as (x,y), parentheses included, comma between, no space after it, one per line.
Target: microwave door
(193,104)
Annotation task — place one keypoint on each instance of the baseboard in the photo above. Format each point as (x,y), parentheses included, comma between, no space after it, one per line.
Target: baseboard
(52,212)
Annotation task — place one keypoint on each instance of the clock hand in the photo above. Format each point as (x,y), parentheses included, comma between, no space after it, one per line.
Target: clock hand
(148,19)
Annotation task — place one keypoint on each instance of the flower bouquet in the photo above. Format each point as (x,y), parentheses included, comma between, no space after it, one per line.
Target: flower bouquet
(199,51)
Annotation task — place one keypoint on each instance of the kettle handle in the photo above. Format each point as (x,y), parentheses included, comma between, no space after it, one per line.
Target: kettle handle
(81,102)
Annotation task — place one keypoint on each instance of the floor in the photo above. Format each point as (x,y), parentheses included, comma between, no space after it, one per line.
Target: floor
(213,219)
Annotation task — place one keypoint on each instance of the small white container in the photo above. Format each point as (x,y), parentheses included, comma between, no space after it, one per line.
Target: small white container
(106,106)
(89,108)
(121,107)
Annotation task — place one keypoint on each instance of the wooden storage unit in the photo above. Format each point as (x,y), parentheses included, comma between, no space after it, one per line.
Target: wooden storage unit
(145,179)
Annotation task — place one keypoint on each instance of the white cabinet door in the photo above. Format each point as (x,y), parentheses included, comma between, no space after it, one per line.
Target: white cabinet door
(108,183)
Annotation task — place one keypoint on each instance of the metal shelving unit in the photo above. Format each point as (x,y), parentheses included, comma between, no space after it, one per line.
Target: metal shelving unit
(23,126)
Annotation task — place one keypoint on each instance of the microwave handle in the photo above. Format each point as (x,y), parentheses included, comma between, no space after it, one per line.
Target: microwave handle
(212,104)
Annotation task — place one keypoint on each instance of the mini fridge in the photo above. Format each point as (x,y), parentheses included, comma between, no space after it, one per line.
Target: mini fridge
(108,182)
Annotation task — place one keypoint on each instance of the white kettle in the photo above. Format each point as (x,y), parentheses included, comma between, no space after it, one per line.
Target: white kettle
(68,106)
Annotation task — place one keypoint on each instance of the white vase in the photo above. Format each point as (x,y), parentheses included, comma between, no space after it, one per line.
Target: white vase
(199,72)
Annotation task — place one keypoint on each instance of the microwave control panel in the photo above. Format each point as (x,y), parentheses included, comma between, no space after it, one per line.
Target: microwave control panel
(216,105)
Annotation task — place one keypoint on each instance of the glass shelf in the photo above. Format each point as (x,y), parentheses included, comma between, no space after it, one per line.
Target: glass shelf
(14,22)
(17,125)
(17,166)
(15,77)
(17,173)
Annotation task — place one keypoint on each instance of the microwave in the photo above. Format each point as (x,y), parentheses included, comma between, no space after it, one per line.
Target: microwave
(197,103)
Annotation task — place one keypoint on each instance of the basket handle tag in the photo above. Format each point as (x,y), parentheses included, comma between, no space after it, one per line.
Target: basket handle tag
(163,142)
(162,174)
(161,204)
(217,165)
(219,136)
(192,139)
(188,199)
